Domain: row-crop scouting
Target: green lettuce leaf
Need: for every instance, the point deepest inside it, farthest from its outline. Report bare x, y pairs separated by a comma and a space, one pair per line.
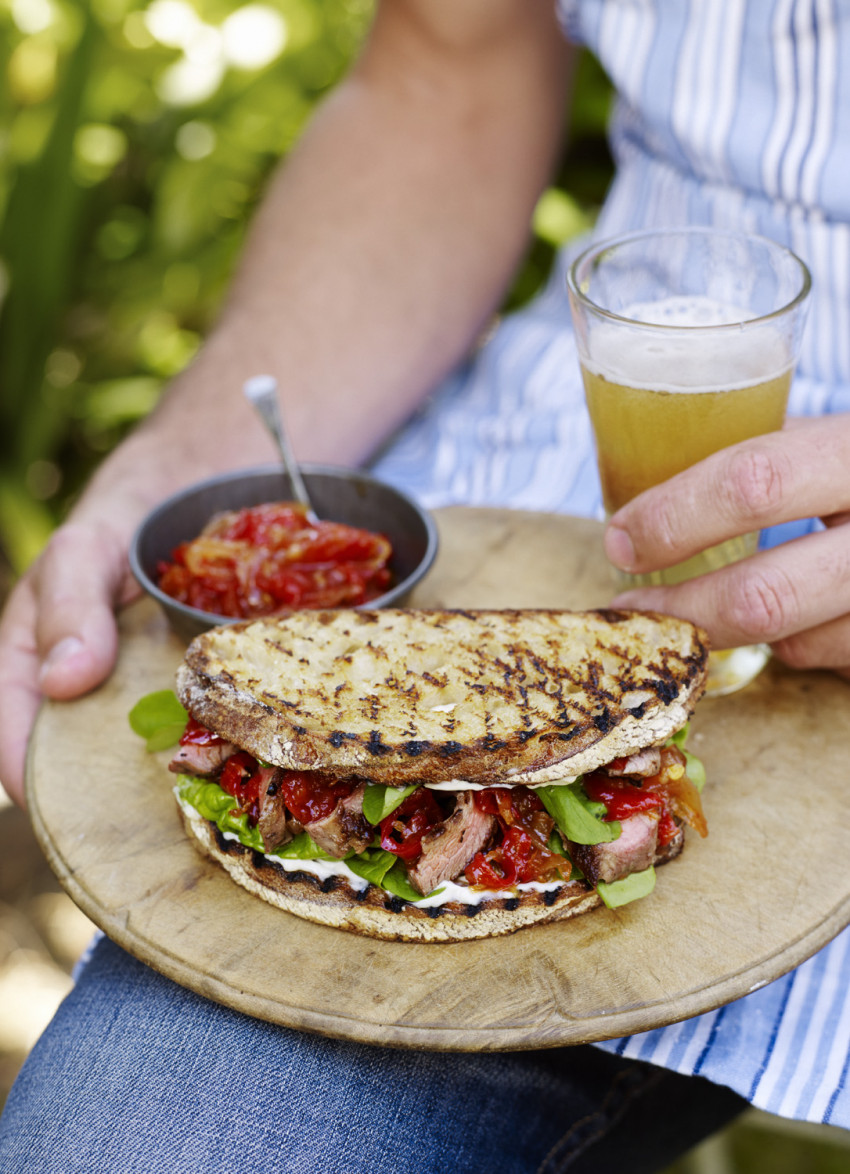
396, 882
577, 818
385, 870
694, 770
680, 737
214, 804
379, 802
373, 864
217, 806
159, 718
630, 888
556, 844
301, 847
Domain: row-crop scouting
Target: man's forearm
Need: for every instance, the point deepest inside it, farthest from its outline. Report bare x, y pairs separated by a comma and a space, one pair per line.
381, 246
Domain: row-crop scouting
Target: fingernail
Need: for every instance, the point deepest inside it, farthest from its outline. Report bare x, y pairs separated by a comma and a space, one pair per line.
618, 547
67, 647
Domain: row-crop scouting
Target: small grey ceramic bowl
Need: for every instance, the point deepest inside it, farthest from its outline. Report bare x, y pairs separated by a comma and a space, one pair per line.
340, 495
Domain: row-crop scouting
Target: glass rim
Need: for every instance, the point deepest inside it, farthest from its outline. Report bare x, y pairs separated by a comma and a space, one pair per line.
602, 246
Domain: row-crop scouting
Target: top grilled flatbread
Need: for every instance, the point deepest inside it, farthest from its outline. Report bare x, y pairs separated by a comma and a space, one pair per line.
397, 696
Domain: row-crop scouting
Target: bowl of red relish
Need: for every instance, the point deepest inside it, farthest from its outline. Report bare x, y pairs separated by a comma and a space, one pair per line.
239, 547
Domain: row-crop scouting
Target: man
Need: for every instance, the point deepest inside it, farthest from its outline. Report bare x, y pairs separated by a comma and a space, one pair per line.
379, 255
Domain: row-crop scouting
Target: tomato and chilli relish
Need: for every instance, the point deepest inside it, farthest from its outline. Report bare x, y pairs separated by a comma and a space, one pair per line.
270, 558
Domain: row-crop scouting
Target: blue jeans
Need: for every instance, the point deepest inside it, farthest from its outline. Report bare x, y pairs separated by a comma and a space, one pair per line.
136, 1075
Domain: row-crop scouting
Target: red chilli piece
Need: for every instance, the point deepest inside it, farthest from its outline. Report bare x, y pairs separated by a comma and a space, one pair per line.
403, 829
621, 799
523, 854
197, 735
310, 796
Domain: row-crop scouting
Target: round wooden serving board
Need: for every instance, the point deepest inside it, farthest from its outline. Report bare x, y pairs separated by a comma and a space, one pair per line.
732, 913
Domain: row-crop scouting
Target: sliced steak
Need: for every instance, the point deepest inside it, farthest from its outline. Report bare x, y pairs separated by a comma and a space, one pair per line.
273, 823
645, 764
201, 760
449, 847
633, 851
346, 829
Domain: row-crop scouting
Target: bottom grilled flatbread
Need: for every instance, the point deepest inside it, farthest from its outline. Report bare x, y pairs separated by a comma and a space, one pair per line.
441, 776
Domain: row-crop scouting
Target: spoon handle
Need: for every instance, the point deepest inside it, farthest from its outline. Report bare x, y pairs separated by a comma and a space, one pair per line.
261, 391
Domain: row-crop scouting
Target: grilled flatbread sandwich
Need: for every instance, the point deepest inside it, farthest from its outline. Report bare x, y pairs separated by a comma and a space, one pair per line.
441, 775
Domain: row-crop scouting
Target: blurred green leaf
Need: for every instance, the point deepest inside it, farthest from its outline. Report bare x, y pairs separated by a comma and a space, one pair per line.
558, 217
38, 241
119, 401
159, 718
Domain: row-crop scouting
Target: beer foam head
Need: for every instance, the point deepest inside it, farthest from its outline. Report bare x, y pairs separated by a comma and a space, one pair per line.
690, 356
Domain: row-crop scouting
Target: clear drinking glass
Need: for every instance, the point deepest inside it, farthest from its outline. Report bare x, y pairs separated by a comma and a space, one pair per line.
687, 340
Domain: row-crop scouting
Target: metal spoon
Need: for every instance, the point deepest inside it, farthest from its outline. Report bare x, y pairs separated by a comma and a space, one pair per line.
261, 392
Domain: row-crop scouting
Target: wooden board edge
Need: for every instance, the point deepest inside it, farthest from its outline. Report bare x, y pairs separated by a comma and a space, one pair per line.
491, 1038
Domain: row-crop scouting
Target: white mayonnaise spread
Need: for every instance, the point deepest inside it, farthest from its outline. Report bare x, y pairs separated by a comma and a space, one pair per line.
319, 868
452, 891
462, 785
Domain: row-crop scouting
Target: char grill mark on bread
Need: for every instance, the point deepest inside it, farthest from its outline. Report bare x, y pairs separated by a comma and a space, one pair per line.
397, 696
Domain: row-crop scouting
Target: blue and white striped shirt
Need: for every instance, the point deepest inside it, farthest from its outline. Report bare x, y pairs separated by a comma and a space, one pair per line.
734, 113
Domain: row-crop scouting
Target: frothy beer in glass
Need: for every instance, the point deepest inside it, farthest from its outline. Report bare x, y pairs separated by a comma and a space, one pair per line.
687, 341
661, 403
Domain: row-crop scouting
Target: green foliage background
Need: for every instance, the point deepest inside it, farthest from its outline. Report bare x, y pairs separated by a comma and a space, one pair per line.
123, 204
